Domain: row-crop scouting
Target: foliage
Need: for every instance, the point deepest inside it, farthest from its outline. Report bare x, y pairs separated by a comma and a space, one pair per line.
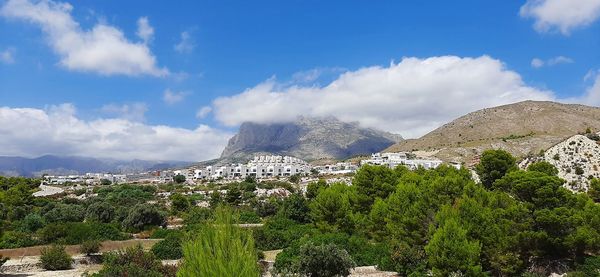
314, 188
326, 260
279, 232
144, 215
493, 165
544, 167
179, 202
295, 207
249, 217
179, 179
55, 258
450, 251
197, 215
90, 247
133, 262
101, 212
220, 249
331, 209
168, 248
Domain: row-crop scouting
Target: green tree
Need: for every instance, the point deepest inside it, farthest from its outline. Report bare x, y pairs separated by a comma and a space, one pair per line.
544, 167
179, 203
101, 212
133, 262
326, 260
220, 249
493, 165
314, 188
143, 215
450, 251
373, 182
594, 190
330, 210
295, 207
179, 179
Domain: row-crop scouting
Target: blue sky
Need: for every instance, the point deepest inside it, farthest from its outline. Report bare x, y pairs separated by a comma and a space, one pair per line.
286, 53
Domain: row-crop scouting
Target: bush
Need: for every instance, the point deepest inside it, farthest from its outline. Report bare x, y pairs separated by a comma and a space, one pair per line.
134, 262
55, 258
101, 212
249, 217
324, 261
168, 248
144, 215
220, 249
90, 247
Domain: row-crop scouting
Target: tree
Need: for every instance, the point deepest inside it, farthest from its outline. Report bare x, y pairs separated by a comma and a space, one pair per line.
179, 179
327, 260
101, 212
55, 258
493, 165
220, 249
142, 215
295, 178
105, 182
330, 210
179, 203
295, 207
544, 167
314, 188
233, 196
373, 182
168, 248
594, 190
450, 251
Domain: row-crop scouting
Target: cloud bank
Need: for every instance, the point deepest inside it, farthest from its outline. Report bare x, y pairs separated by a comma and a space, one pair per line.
103, 49
58, 130
411, 97
561, 15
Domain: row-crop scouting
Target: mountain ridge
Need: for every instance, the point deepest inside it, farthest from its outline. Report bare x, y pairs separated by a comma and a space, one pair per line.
307, 138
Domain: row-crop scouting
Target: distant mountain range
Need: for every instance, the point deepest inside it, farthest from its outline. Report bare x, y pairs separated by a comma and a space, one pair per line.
307, 138
54, 165
521, 128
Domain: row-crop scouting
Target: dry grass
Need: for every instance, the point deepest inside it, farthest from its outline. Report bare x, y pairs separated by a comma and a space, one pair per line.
74, 249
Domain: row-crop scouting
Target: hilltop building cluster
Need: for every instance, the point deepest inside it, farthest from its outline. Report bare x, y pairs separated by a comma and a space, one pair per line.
402, 158
260, 167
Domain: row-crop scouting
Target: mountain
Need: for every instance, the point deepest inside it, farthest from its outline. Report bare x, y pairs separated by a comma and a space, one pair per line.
307, 138
54, 165
521, 128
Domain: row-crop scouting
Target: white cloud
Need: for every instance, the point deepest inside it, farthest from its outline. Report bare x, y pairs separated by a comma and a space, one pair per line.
103, 49
186, 44
203, 112
592, 94
538, 63
145, 31
561, 15
57, 130
411, 97
173, 97
132, 112
8, 56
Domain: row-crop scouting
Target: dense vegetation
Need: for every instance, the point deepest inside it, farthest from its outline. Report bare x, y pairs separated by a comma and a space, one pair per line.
437, 222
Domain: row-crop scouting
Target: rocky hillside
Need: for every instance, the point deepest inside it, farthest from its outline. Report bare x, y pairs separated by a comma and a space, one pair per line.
308, 139
576, 159
521, 128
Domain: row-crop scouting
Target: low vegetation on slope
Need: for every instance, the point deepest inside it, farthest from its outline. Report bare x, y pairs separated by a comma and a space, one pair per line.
520, 128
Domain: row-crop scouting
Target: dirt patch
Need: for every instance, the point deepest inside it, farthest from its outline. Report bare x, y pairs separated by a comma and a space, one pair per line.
74, 249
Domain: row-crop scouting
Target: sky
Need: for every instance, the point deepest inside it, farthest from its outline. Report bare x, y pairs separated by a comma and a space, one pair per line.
162, 81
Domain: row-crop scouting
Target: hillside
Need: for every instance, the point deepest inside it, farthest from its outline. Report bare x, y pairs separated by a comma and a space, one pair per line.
50, 164
521, 128
308, 139
576, 159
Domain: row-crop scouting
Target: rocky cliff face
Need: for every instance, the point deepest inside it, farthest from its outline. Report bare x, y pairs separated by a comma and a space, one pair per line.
308, 139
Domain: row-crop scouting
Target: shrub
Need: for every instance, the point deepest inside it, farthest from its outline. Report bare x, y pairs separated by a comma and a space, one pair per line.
168, 248
101, 212
32, 222
220, 249
55, 258
16, 239
579, 170
249, 217
326, 260
89, 247
143, 215
134, 262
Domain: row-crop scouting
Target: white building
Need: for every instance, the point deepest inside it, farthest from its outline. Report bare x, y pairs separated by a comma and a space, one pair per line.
260, 167
395, 159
